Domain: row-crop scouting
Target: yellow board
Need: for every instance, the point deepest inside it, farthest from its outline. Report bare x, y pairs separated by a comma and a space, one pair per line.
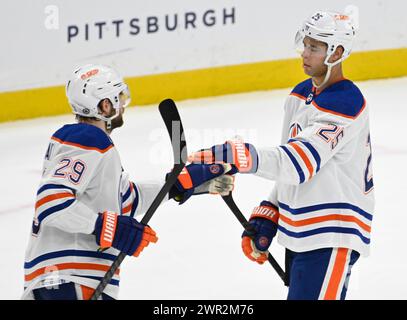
151, 89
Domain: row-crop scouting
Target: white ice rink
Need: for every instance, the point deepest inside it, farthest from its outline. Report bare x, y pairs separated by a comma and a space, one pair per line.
198, 255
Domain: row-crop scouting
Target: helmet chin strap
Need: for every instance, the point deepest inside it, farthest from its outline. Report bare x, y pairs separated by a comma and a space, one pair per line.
328, 72
108, 121
109, 124
327, 76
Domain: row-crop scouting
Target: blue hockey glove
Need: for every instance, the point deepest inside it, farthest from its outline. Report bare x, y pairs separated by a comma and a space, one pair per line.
264, 220
200, 179
123, 233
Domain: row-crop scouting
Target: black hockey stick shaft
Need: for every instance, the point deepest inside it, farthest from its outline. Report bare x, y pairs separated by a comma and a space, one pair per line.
172, 120
250, 229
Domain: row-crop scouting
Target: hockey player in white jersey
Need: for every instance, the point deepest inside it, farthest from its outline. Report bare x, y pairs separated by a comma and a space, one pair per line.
86, 204
322, 202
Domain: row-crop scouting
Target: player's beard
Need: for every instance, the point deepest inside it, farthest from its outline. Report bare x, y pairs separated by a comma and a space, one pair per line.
116, 122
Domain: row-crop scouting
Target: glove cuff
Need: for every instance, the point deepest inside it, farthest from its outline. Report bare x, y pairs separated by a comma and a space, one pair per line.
185, 179
266, 211
105, 229
244, 156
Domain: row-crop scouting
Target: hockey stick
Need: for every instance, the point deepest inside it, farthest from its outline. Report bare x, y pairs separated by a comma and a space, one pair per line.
250, 229
172, 120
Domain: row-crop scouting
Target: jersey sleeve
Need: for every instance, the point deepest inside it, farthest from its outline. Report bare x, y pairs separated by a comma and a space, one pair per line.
130, 196
57, 206
147, 192
138, 196
301, 158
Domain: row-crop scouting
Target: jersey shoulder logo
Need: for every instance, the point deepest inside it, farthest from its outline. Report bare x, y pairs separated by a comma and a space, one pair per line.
295, 129
309, 98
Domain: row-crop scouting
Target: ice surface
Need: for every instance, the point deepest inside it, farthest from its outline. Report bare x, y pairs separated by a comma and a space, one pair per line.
198, 255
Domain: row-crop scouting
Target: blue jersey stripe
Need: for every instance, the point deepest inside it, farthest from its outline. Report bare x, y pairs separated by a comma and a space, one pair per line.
135, 201
112, 282
54, 209
69, 253
337, 205
54, 186
126, 195
268, 203
295, 163
314, 152
324, 230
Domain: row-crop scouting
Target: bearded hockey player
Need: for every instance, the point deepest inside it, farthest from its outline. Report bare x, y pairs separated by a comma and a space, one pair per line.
86, 204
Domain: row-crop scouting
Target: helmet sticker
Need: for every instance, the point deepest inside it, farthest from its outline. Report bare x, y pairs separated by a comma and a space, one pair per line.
89, 74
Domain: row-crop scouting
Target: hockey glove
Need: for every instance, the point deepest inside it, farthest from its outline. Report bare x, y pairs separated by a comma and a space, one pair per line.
202, 178
264, 220
243, 156
123, 233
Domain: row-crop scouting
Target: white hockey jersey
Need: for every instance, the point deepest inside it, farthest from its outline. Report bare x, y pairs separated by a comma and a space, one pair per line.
323, 174
82, 176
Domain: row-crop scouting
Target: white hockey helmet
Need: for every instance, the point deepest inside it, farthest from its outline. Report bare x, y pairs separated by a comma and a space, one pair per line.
90, 84
333, 28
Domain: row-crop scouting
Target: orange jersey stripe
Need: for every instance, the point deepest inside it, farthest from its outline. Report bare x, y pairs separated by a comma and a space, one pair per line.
64, 266
82, 146
295, 132
337, 273
127, 209
298, 96
329, 217
53, 197
304, 158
